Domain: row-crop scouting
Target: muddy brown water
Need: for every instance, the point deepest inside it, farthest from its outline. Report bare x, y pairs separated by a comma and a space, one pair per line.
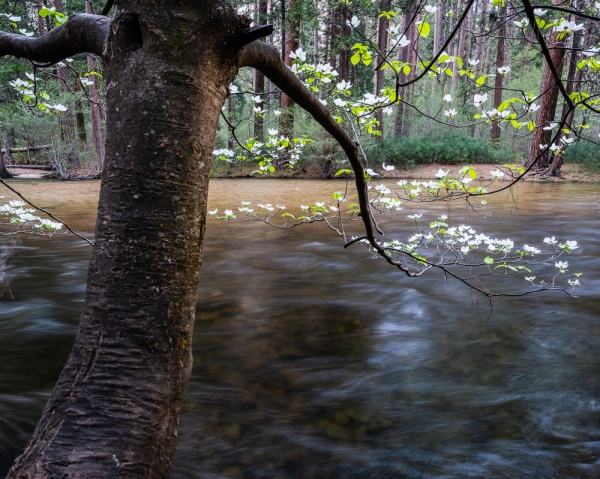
311, 361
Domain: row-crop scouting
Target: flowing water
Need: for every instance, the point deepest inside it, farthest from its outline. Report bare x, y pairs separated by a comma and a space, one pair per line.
311, 361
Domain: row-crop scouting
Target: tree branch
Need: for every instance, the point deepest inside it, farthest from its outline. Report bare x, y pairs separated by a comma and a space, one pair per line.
266, 59
82, 33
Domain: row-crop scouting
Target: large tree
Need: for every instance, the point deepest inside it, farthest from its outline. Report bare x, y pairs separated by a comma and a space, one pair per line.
167, 68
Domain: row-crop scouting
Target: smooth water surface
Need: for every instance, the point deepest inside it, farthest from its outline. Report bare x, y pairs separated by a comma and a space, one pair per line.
312, 361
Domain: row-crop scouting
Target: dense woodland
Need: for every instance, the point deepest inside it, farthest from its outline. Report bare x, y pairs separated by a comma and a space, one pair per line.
484, 49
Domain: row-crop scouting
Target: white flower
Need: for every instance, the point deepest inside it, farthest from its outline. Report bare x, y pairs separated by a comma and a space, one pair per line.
533, 108
567, 141
550, 240
388, 167
387, 110
355, 22
478, 100
415, 216
554, 147
25, 32
370, 172
430, 9
473, 62
574, 282
414, 192
402, 183
383, 189
59, 107
320, 204
339, 102
450, 113
529, 278
464, 249
273, 132
343, 85
521, 23
551, 126
233, 89
47, 224
213, 212
402, 41
276, 112
504, 70
466, 180
562, 265
531, 249
299, 54
441, 173
539, 12
228, 213
447, 98
572, 245
497, 173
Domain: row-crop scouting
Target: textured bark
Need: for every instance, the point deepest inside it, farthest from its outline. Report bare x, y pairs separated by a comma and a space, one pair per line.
114, 410
481, 37
81, 33
499, 80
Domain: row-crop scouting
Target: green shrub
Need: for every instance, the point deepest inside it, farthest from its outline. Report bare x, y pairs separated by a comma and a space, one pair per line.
584, 153
446, 149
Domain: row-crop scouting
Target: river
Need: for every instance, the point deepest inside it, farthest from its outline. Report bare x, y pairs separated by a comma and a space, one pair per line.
311, 361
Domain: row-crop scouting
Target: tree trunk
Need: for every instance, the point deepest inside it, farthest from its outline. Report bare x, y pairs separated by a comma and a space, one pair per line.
286, 119
573, 83
378, 77
550, 91
481, 37
259, 80
499, 80
94, 105
7, 148
79, 116
114, 411
3, 171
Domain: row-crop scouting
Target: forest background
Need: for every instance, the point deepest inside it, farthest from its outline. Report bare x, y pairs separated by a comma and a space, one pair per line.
487, 99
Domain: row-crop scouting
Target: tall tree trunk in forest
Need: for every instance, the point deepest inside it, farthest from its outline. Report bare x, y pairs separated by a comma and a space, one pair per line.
79, 117
413, 50
67, 128
344, 58
334, 36
94, 105
404, 57
499, 79
259, 79
3, 171
286, 119
481, 37
573, 83
41, 21
549, 91
8, 156
382, 38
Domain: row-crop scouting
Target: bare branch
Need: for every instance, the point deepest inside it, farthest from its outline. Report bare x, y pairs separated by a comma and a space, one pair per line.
82, 33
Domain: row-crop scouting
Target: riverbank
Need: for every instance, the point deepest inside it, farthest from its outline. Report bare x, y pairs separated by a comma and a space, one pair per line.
570, 173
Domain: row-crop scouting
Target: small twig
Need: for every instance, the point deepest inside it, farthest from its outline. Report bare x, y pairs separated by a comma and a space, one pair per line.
46, 212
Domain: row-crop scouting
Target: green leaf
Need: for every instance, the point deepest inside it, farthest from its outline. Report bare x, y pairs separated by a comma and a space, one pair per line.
481, 80
44, 12
531, 125
488, 260
341, 172
406, 69
424, 29
355, 58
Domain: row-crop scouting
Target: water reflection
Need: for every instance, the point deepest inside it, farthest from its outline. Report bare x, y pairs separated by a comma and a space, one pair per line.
314, 362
